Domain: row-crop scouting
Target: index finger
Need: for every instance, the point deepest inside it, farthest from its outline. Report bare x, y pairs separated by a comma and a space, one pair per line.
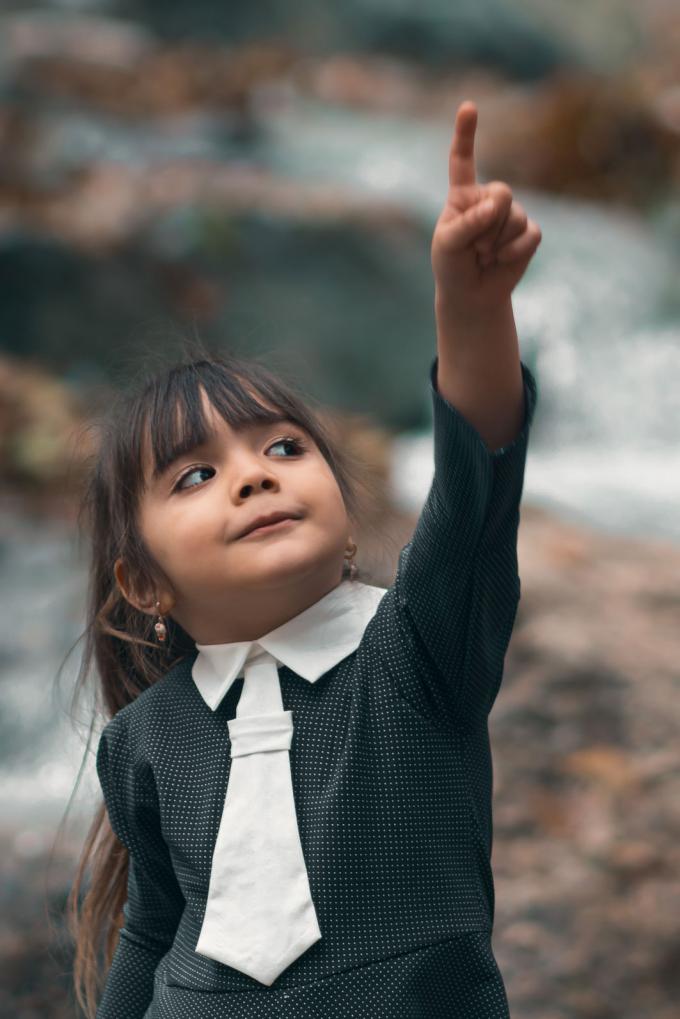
462, 155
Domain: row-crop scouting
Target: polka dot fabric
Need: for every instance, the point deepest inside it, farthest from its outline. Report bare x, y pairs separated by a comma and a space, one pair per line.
392, 776
457, 977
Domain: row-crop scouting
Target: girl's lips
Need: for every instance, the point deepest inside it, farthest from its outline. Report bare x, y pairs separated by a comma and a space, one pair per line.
266, 528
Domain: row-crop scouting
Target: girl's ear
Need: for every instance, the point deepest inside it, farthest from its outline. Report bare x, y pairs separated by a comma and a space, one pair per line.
142, 604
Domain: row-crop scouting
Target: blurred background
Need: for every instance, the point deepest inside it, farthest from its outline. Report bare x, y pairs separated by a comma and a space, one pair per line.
268, 176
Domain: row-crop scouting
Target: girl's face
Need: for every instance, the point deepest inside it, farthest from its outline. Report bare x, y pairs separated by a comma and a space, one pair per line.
226, 587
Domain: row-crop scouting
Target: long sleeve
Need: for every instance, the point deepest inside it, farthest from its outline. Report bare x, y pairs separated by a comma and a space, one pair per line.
155, 901
457, 585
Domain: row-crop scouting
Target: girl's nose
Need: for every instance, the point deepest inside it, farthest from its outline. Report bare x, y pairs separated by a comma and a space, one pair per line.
256, 477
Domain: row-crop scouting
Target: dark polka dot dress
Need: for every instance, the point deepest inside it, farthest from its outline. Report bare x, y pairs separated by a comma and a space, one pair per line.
392, 777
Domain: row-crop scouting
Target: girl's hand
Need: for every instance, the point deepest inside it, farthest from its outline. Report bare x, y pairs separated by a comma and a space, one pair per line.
479, 253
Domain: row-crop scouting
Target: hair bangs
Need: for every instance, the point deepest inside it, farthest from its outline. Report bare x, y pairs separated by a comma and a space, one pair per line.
174, 420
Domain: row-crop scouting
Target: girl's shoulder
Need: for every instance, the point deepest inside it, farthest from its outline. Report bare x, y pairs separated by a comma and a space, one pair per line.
128, 740
153, 700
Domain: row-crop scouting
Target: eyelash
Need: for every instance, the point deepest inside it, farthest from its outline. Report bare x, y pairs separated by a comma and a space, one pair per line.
299, 443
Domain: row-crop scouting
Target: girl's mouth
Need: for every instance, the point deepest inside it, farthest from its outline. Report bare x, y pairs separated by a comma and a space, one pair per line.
267, 528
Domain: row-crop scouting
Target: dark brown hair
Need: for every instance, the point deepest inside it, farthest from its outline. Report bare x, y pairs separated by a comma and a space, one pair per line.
165, 410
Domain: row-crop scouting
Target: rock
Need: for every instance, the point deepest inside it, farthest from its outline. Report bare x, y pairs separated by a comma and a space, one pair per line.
42, 429
587, 776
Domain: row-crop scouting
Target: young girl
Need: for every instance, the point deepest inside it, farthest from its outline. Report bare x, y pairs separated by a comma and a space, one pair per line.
296, 770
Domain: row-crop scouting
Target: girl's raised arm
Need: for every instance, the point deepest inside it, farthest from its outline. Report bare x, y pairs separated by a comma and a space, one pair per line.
482, 244
457, 587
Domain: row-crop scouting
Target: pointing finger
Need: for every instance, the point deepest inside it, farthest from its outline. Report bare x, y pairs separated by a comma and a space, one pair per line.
462, 153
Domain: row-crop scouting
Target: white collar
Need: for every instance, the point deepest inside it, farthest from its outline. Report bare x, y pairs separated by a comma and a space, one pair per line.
310, 643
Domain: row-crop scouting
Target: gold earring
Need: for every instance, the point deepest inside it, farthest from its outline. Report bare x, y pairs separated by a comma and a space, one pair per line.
349, 557
159, 626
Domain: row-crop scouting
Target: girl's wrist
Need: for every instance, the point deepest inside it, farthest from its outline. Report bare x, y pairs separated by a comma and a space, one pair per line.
457, 317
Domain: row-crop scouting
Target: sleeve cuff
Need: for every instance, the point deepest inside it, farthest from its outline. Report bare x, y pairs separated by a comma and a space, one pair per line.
442, 408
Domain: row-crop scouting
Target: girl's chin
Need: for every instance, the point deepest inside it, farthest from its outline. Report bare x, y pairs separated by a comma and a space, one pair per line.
267, 554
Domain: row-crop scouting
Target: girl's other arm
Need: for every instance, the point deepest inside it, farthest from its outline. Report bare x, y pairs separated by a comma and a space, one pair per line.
155, 902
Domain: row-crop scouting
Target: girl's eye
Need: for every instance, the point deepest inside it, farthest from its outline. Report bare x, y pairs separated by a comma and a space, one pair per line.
192, 470
287, 440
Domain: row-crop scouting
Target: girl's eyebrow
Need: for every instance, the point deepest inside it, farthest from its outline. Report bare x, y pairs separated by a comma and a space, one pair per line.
180, 449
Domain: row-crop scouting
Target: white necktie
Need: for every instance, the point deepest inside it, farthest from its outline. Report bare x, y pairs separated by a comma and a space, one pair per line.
259, 915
